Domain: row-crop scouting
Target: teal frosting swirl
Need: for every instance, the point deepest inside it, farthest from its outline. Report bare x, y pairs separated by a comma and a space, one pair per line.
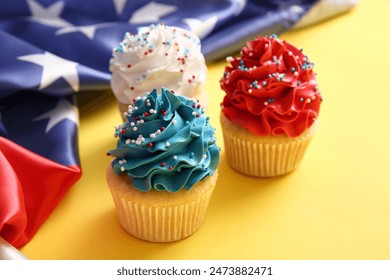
167, 143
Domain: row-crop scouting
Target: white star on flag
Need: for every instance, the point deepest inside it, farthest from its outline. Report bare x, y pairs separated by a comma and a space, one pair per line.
151, 12
64, 110
87, 30
201, 28
49, 16
119, 6
54, 67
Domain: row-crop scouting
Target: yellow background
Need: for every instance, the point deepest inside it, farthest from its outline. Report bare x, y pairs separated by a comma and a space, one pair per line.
336, 205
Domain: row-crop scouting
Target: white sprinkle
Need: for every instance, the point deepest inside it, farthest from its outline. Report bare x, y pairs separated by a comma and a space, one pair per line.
308, 100
135, 128
194, 113
138, 142
151, 111
152, 135
296, 73
290, 53
265, 103
167, 144
132, 141
127, 141
142, 121
204, 156
174, 157
120, 162
122, 169
250, 90
132, 124
174, 122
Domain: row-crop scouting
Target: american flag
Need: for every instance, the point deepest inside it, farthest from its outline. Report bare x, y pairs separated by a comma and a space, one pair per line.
51, 50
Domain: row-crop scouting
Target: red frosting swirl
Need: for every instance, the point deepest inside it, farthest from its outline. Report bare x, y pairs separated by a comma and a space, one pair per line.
271, 89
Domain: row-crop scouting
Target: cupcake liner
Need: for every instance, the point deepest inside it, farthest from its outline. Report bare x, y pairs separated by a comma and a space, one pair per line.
202, 97
264, 156
160, 216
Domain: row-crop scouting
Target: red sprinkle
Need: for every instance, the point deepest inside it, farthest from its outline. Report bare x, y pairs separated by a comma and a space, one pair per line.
197, 115
170, 167
128, 65
123, 131
162, 164
150, 145
132, 88
162, 128
108, 154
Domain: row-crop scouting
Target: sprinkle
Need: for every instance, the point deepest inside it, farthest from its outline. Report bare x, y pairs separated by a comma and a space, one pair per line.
170, 167
249, 90
174, 122
265, 103
150, 145
162, 164
152, 135
167, 144
122, 169
135, 128
132, 124
127, 141
175, 157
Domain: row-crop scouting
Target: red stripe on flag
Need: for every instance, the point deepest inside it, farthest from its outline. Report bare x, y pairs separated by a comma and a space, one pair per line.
31, 186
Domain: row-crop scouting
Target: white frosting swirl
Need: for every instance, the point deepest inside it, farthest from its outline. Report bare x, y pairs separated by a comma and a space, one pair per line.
157, 56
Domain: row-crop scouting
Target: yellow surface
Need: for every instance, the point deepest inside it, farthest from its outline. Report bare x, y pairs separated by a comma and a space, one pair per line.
336, 205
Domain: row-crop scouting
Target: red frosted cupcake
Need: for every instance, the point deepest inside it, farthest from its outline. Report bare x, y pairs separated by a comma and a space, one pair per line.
270, 110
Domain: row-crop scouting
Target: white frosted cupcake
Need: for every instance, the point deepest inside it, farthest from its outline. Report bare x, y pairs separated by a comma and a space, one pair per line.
158, 56
165, 167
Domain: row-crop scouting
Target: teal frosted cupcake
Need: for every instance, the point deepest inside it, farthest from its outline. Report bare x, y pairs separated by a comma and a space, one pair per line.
165, 167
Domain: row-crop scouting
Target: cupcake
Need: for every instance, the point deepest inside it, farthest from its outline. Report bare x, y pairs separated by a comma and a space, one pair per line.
157, 56
269, 113
165, 167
